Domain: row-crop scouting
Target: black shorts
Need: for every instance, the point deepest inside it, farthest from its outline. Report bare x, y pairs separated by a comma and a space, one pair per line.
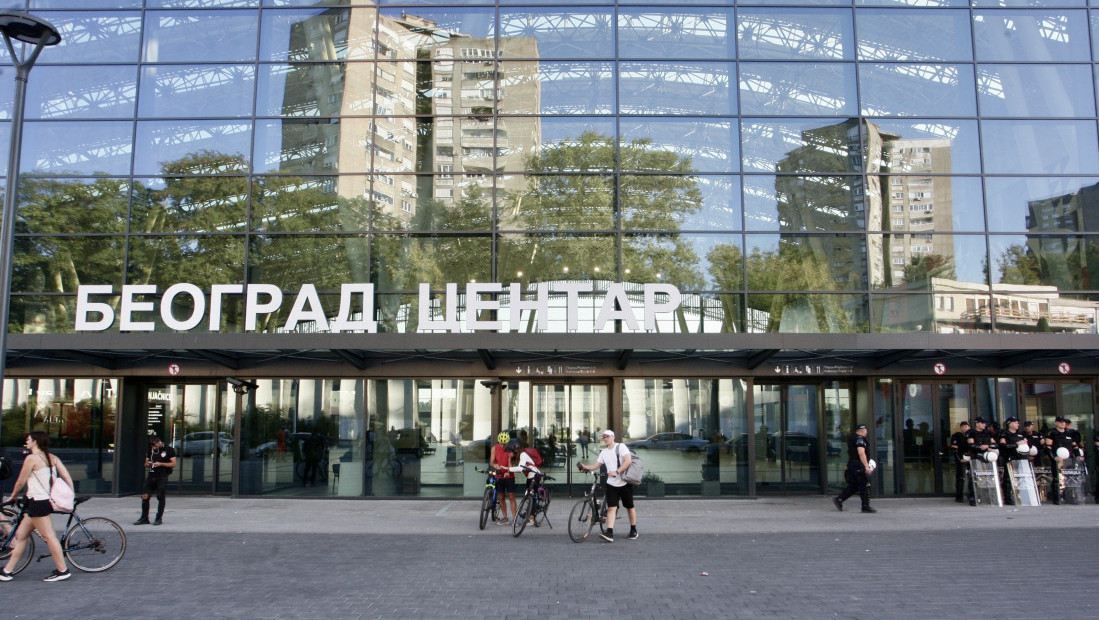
39, 508
505, 485
624, 493
155, 485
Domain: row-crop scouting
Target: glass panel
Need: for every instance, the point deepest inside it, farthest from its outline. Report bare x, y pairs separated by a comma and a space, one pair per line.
675, 33
658, 202
315, 89
921, 146
815, 314
666, 426
192, 4
299, 146
556, 88
791, 262
81, 4
53, 205
1036, 90
839, 417
538, 258
1040, 147
916, 313
196, 434
787, 438
667, 258
302, 204
901, 35
918, 405
81, 92
548, 32
187, 146
805, 203
62, 264
917, 90
700, 145
676, 88
322, 35
886, 482
794, 34
202, 261
563, 202
1063, 262
801, 145
926, 203
1018, 310
1040, 204
95, 37
798, 89
558, 148
79, 415
86, 148
200, 36
1079, 399
924, 260
1037, 35
190, 204
197, 91
292, 260
402, 262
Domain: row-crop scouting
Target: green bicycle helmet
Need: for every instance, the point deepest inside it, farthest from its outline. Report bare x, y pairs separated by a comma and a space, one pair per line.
503, 437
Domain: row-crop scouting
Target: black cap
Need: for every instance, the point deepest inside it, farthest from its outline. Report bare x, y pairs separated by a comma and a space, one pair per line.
861, 427
1011, 419
1058, 419
963, 423
1028, 423
980, 420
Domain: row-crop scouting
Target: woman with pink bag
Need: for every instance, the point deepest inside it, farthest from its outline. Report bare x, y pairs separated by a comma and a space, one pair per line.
38, 474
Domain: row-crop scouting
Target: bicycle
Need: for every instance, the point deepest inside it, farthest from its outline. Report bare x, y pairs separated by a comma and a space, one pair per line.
534, 506
590, 511
91, 545
490, 504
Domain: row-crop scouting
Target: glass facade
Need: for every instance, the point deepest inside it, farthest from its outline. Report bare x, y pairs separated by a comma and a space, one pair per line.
870, 167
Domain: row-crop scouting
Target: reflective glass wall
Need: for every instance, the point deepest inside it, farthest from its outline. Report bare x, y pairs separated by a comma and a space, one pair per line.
916, 166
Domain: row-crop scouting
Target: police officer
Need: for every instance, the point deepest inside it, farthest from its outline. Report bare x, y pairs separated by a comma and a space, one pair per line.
1013, 446
958, 450
1033, 437
161, 461
980, 441
1055, 439
858, 470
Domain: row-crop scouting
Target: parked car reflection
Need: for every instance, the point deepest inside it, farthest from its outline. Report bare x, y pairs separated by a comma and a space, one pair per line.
669, 441
203, 442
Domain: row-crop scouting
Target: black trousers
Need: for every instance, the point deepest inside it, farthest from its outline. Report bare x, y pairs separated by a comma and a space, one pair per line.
857, 482
154, 485
961, 469
1054, 481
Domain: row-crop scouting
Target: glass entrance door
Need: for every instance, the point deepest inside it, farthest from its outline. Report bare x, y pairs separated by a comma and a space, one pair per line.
787, 432
561, 420
1044, 401
197, 420
930, 412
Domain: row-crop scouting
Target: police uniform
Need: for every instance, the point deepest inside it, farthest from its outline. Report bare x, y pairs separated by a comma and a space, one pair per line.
156, 481
1058, 439
858, 480
958, 449
1009, 441
976, 439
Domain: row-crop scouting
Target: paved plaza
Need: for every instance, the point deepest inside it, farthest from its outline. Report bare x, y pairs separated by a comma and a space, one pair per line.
735, 558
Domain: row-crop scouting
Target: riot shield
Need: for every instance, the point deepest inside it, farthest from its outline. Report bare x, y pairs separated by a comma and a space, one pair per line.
986, 483
1023, 482
1075, 476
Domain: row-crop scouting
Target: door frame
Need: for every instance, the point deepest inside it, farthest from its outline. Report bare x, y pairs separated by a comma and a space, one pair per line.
939, 426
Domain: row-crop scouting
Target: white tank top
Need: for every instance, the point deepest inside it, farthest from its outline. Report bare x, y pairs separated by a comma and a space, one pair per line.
38, 485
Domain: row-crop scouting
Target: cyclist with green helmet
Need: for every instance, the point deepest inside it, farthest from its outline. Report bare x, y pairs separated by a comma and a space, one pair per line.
500, 460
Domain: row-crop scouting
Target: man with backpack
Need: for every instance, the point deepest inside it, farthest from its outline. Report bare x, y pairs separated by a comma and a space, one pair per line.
616, 458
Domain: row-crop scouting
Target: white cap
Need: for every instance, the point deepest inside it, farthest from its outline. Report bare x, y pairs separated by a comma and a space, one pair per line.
608, 433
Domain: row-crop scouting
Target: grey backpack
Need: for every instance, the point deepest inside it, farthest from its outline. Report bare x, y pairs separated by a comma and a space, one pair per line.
635, 470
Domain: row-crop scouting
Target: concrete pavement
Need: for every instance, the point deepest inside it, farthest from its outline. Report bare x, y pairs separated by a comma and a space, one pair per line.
729, 558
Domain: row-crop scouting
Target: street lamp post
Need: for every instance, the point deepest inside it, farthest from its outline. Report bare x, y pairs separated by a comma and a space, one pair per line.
38, 33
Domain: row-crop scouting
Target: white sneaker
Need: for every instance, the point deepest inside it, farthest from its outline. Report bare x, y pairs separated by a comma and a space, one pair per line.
57, 575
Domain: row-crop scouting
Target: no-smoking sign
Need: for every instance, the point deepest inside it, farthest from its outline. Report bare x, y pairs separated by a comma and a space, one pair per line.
173, 369
1064, 368
939, 368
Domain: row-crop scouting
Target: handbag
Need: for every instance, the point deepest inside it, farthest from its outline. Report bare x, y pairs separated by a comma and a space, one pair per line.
62, 497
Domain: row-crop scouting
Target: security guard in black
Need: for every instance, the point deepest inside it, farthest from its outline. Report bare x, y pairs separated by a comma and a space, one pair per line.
858, 470
161, 462
958, 449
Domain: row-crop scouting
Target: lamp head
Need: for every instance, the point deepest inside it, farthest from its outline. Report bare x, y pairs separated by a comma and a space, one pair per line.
28, 28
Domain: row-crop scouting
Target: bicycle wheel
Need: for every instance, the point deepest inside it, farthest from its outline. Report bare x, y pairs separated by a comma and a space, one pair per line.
9, 517
543, 510
580, 521
486, 507
522, 516
95, 544
602, 518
